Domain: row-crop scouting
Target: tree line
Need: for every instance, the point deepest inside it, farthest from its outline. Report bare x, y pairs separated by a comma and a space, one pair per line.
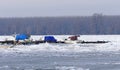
95, 24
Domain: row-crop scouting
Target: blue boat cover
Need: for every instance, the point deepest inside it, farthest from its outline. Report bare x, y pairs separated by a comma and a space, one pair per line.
50, 39
22, 37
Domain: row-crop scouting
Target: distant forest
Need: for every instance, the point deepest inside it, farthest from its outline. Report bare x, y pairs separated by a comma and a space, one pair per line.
95, 24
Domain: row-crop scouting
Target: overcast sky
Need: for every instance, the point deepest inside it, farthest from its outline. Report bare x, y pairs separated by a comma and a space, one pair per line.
29, 8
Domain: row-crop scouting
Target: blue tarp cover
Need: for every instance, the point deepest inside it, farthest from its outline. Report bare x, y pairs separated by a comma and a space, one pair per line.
50, 39
21, 37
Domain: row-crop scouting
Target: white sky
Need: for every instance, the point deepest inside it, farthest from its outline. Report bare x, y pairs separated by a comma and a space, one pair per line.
27, 8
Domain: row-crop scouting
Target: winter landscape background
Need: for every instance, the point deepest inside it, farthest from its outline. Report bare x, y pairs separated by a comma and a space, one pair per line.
51, 56
95, 20
95, 24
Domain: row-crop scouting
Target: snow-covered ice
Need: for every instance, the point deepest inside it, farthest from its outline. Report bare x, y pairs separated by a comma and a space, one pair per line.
50, 56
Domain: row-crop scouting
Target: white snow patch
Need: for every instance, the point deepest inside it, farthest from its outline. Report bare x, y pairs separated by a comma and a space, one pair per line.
113, 46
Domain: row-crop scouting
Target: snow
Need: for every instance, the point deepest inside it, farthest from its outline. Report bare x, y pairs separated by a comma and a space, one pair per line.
69, 68
56, 56
4, 38
112, 46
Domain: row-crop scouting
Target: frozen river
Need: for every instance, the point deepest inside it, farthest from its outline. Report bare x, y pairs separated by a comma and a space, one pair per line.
60, 61
63, 56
